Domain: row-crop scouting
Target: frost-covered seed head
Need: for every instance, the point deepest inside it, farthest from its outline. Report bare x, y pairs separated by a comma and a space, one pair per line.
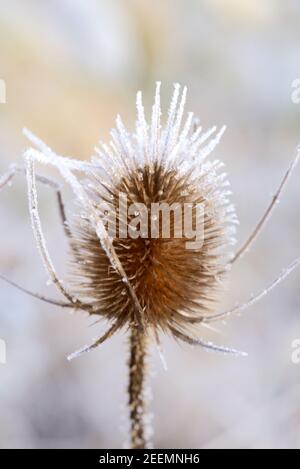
174, 286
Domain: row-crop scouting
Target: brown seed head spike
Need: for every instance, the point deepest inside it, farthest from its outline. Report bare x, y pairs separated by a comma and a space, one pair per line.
176, 286
149, 271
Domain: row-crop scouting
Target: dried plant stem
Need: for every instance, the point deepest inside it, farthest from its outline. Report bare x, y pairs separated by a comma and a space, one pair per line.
6, 178
36, 295
137, 372
264, 219
239, 308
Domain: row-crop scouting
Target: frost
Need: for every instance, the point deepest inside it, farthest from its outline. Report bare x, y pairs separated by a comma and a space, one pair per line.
212, 144
78, 353
155, 122
168, 130
141, 130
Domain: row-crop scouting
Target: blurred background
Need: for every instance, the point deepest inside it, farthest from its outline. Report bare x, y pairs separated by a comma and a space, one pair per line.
69, 68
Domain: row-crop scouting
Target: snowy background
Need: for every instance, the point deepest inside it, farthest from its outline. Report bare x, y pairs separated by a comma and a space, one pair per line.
69, 68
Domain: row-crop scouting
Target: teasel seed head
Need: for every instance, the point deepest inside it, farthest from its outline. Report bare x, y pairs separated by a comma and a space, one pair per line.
174, 285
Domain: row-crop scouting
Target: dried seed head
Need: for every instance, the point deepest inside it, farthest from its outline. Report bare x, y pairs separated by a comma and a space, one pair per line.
139, 186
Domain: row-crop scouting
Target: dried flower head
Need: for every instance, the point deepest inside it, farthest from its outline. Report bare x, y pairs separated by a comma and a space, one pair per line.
150, 244
130, 276
175, 283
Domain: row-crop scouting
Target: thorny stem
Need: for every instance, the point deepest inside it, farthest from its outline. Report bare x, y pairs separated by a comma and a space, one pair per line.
137, 372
